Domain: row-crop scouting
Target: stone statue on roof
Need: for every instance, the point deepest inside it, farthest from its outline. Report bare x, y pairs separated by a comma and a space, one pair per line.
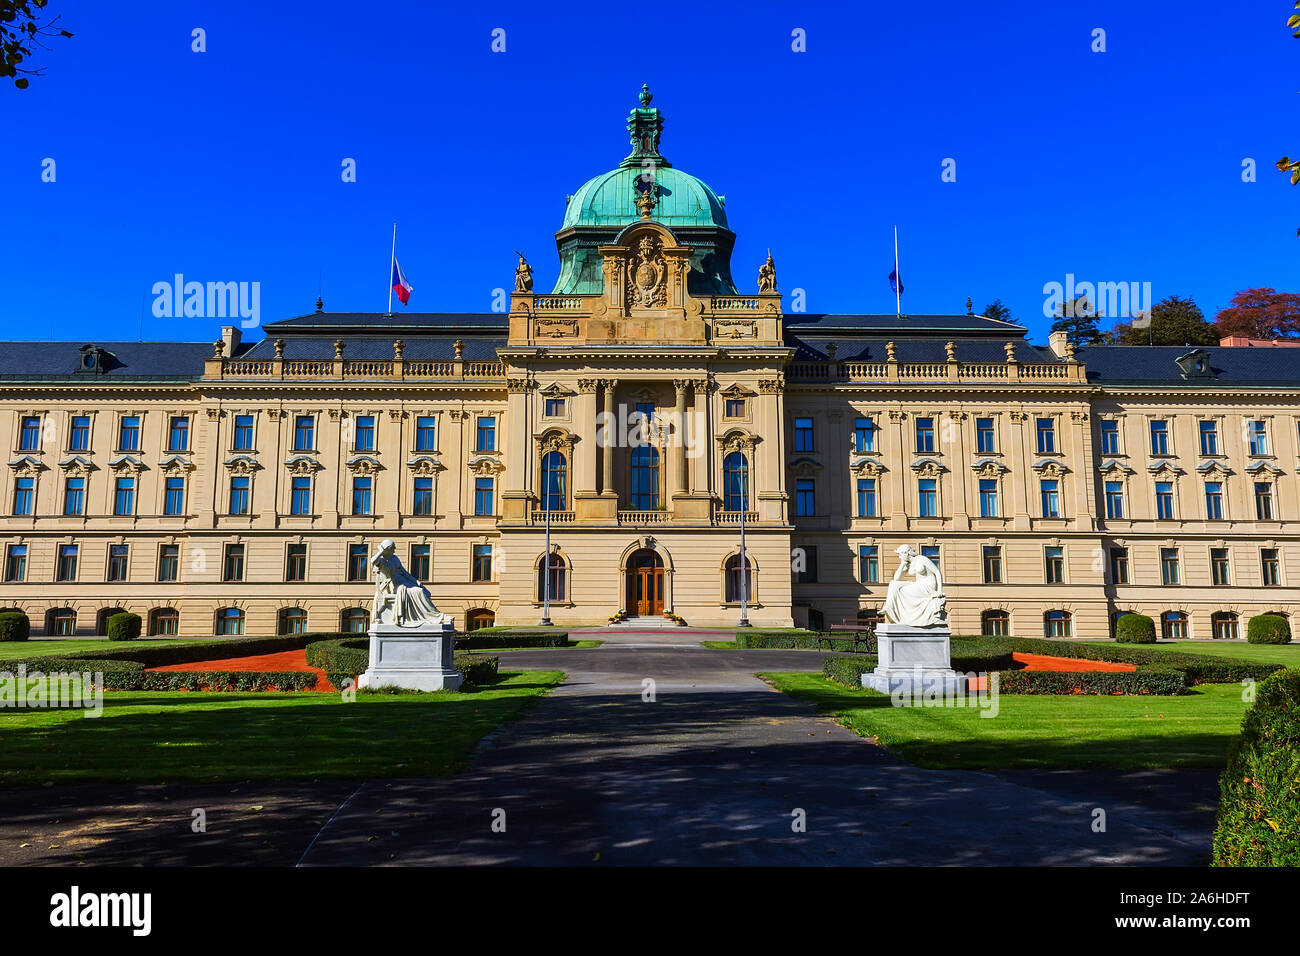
523, 274
767, 275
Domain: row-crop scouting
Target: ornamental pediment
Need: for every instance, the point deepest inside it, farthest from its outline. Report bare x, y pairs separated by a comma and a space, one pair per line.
867, 468
27, 465
1210, 468
242, 465
126, 463
928, 467
737, 439
1263, 467
303, 465
77, 465
805, 467
364, 465
173, 464
989, 468
1114, 466
1049, 467
1165, 467
425, 466
485, 465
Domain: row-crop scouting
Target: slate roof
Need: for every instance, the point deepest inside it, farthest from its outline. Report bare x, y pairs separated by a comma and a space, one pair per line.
961, 324
871, 348
157, 361
1155, 365
398, 321
297, 346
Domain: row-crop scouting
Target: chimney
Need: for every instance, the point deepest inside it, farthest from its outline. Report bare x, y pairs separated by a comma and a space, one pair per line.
229, 340
1056, 342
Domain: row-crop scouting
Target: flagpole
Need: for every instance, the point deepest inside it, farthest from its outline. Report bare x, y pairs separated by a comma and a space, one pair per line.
898, 279
393, 258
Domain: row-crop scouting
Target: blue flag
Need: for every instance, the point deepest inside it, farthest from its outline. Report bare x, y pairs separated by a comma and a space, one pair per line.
895, 283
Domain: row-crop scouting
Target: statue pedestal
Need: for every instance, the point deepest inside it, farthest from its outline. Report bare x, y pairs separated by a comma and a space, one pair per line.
914, 661
414, 658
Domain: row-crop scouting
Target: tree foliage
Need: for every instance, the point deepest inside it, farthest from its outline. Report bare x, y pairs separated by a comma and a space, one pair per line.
1261, 314
1286, 163
996, 310
1174, 320
1078, 320
22, 30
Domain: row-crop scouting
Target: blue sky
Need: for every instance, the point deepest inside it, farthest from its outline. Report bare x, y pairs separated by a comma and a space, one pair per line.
225, 165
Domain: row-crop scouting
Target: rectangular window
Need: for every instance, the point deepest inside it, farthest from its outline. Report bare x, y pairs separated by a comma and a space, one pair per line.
487, 434
1213, 500
117, 562
931, 551
1054, 565
300, 495
365, 433
1219, 570
232, 565
361, 497
482, 568
79, 435
1257, 437
807, 573
1159, 436
66, 569
1049, 493
1209, 437
1045, 430
1263, 501
169, 562
1109, 436
1164, 499
1168, 566
239, 495
864, 434
425, 433
803, 434
484, 498
243, 433
357, 559
1270, 567
174, 496
866, 497
1114, 499
24, 495
1119, 565
988, 497
124, 496
805, 497
984, 443
423, 503
74, 496
128, 433
29, 435
420, 562
304, 433
295, 563
927, 493
992, 564
178, 435
733, 408
554, 407
869, 563
16, 562
925, 434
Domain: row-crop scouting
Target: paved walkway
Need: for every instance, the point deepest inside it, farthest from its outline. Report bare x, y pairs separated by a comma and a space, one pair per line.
712, 771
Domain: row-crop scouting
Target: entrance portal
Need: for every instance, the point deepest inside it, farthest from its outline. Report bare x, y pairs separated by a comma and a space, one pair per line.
645, 584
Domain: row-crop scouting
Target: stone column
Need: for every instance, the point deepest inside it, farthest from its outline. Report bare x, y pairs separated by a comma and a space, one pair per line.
679, 447
584, 418
607, 453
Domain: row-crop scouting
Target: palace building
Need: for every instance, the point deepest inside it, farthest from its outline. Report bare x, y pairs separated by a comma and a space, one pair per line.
644, 409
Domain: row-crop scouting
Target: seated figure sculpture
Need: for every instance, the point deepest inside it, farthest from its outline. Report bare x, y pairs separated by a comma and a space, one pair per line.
919, 602
399, 598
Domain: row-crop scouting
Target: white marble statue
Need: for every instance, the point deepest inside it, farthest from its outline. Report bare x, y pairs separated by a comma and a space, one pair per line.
399, 598
919, 602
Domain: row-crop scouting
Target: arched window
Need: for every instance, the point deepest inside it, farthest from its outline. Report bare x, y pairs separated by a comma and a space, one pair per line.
354, 620
101, 618
555, 481
230, 620
61, 622
552, 573
995, 623
645, 478
735, 482
479, 617
1223, 625
1056, 624
293, 620
733, 580
1173, 625
164, 622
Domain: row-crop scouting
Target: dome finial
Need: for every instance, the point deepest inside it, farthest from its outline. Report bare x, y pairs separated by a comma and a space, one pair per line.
646, 95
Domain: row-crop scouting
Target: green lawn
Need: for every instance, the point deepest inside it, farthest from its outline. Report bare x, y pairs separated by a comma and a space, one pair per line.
1288, 654
1193, 730
151, 737
9, 650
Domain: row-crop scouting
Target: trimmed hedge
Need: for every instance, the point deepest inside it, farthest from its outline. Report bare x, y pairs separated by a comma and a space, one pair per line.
14, 626
344, 659
118, 674
811, 640
1258, 822
131, 675
848, 670
1146, 680
1135, 629
123, 626
1268, 629
219, 648
545, 638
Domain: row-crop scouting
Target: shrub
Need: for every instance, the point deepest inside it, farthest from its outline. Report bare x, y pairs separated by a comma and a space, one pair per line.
550, 638
1259, 804
1268, 629
848, 670
118, 674
1147, 679
1135, 629
790, 640
14, 626
123, 626
219, 648
343, 660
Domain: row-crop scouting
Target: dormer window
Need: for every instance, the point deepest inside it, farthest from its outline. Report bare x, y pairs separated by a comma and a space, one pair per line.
93, 359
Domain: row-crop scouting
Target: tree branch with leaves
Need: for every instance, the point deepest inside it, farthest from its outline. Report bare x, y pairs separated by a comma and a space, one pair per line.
22, 30
1286, 164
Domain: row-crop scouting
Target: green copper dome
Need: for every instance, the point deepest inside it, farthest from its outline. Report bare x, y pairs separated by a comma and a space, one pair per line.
606, 204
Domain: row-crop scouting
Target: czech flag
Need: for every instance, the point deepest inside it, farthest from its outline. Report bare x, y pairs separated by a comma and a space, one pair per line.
400, 285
